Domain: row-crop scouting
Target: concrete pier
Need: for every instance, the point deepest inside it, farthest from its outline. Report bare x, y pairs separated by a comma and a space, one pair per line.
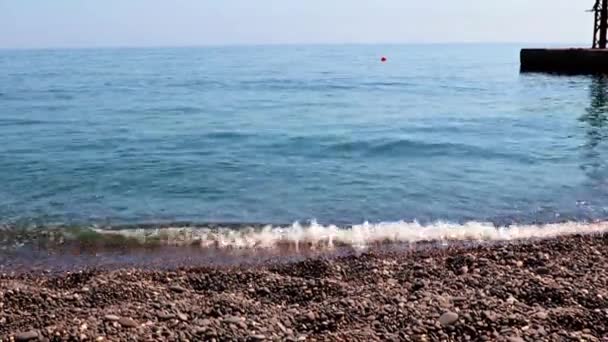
565, 61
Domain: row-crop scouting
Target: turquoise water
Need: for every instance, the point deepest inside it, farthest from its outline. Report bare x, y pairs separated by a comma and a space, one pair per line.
294, 133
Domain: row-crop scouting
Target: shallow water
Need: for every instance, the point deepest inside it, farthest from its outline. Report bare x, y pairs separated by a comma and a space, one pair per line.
295, 133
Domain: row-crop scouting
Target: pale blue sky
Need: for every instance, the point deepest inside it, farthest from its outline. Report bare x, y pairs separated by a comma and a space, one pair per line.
91, 23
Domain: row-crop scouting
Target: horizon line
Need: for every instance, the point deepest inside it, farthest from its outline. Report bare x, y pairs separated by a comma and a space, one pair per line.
231, 45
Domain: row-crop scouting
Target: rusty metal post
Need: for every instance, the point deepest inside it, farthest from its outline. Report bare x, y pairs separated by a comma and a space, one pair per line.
603, 27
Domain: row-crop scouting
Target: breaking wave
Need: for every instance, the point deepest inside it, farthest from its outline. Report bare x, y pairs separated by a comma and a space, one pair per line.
317, 236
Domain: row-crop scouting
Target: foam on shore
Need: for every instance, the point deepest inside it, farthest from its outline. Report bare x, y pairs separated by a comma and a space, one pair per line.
357, 236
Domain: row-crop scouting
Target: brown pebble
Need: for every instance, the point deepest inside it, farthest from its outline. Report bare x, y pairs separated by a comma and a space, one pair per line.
111, 318
490, 316
543, 270
516, 339
448, 318
177, 288
233, 319
26, 336
127, 322
164, 316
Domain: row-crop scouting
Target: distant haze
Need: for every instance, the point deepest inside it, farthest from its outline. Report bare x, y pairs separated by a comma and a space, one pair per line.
91, 23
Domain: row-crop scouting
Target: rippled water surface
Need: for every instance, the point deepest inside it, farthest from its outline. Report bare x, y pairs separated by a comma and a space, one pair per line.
281, 134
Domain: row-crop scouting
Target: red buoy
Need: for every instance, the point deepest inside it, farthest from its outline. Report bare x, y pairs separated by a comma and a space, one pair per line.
383, 59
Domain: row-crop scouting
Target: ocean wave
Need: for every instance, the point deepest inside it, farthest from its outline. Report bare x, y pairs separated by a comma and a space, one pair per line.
358, 236
328, 146
229, 135
309, 236
22, 122
411, 147
280, 84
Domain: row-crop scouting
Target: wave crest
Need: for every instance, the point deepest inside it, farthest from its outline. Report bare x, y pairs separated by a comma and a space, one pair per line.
358, 236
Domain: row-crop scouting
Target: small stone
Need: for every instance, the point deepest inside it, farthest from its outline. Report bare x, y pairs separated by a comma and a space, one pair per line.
177, 288
182, 317
281, 327
310, 316
443, 302
418, 284
519, 263
99, 338
84, 327
511, 300
199, 330
127, 322
258, 337
26, 336
111, 318
490, 316
164, 316
448, 318
541, 315
233, 320
515, 339
464, 270
421, 338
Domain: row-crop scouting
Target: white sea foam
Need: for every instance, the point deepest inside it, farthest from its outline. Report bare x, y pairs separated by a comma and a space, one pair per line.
358, 236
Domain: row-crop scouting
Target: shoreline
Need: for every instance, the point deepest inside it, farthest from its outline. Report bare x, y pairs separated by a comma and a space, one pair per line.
72, 248
551, 289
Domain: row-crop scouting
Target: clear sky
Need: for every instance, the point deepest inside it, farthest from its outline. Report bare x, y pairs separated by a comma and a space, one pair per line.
91, 23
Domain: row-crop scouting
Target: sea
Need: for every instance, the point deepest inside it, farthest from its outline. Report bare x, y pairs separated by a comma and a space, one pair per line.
323, 139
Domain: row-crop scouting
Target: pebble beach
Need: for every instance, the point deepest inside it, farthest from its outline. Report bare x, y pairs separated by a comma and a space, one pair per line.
533, 290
